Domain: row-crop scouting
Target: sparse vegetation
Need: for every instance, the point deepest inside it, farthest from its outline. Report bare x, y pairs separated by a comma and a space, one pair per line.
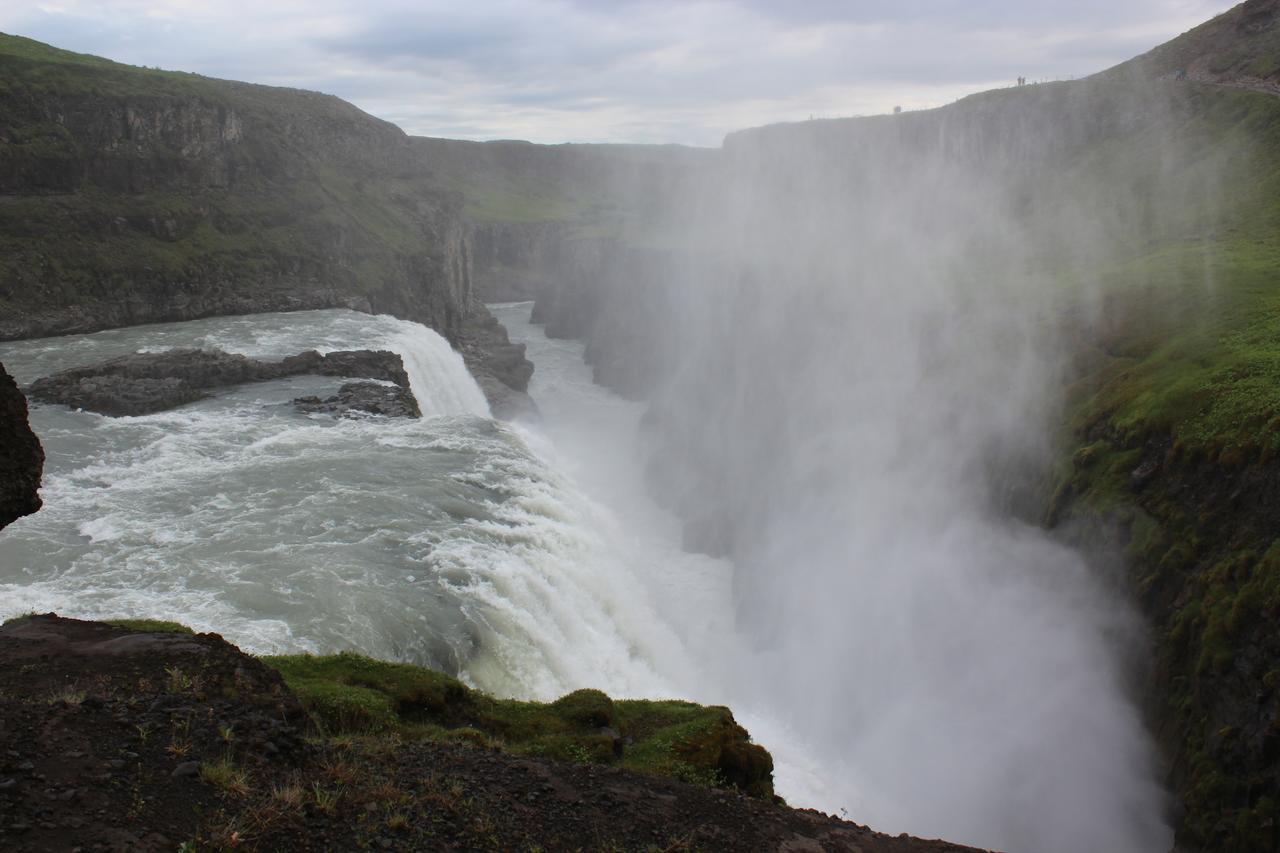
224, 775
177, 681
69, 695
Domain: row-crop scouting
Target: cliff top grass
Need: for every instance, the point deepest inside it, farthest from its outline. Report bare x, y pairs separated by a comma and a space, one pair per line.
156, 626
43, 69
1188, 323
348, 694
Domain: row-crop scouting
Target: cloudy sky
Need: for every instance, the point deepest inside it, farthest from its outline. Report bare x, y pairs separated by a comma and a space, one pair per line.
616, 70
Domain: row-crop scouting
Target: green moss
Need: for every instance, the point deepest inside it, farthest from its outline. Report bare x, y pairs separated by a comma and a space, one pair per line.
1183, 376
348, 693
159, 626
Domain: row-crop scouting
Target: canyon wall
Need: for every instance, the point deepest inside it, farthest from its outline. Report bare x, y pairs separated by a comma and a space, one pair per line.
133, 195
1141, 215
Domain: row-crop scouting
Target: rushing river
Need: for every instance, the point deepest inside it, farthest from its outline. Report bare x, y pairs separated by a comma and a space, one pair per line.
525, 557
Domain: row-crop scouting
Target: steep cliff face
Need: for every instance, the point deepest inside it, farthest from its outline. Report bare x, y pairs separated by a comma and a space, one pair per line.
535, 206
516, 261
21, 456
133, 196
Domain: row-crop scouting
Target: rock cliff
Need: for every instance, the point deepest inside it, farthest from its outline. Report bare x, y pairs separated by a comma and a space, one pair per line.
21, 456
135, 195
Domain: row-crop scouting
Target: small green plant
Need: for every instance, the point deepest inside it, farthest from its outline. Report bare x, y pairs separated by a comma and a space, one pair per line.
179, 737
227, 733
68, 695
291, 797
225, 776
176, 680
325, 800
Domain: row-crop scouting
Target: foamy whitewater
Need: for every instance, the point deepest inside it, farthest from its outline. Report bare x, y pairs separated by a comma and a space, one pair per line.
448, 541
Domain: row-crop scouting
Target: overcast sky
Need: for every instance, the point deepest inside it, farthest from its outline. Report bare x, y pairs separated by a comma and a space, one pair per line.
616, 70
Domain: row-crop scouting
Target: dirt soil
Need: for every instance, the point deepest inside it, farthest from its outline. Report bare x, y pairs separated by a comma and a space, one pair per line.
116, 740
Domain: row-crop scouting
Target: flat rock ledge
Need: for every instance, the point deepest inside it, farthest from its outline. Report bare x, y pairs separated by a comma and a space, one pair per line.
145, 383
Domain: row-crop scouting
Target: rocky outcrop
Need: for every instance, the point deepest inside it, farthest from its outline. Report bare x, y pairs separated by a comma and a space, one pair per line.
498, 366
363, 398
145, 383
21, 456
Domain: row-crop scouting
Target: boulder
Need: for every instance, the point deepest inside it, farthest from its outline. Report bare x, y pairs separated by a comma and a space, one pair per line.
21, 456
363, 398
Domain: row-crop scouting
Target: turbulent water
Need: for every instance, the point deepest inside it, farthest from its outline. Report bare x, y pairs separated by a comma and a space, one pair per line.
453, 541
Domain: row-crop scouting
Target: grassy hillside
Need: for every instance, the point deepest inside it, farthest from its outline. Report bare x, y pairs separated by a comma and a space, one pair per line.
1171, 440
134, 194
1240, 47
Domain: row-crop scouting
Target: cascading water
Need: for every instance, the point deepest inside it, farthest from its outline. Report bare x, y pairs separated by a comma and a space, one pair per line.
447, 541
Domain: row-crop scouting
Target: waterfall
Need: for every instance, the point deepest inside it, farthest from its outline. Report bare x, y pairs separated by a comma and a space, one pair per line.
437, 374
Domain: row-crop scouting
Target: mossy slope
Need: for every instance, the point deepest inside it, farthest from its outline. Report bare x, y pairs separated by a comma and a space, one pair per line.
350, 694
1170, 439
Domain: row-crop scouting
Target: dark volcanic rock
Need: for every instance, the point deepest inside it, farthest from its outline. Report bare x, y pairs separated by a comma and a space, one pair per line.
364, 364
369, 398
499, 367
21, 456
144, 383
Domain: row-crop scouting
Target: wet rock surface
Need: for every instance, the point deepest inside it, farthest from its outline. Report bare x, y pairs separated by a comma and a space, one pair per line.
363, 398
145, 383
21, 456
113, 739
499, 367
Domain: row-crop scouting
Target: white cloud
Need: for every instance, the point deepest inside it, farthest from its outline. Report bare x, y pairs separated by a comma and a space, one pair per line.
605, 70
